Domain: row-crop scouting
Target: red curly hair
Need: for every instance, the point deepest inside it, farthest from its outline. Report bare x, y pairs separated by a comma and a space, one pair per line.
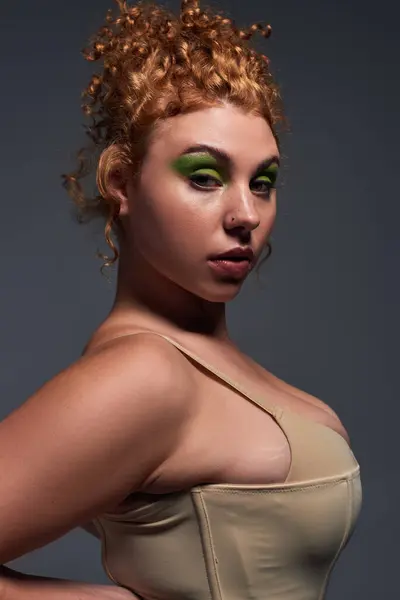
155, 66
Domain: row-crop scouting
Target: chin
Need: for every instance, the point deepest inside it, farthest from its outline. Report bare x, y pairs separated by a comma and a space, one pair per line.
206, 288
223, 292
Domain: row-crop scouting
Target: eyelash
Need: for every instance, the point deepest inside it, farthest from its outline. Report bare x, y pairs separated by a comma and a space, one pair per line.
203, 188
202, 176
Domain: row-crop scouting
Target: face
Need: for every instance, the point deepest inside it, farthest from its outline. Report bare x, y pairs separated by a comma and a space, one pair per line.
207, 185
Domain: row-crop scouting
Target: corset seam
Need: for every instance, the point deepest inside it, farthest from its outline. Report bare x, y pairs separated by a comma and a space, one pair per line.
207, 545
344, 538
103, 535
274, 490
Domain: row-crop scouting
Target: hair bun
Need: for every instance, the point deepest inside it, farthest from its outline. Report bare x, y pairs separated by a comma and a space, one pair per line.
156, 65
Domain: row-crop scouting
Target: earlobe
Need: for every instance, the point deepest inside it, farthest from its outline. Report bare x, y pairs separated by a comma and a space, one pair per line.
118, 188
111, 178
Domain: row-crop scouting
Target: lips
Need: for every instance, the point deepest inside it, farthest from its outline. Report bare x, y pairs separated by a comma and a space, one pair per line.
231, 268
235, 254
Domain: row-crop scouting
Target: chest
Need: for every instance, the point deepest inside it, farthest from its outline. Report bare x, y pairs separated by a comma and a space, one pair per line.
231, 439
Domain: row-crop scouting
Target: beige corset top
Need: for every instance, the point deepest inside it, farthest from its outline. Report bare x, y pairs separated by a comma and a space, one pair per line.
239, 541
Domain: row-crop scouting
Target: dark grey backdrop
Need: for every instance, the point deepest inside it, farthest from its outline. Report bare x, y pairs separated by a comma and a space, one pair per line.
326, 318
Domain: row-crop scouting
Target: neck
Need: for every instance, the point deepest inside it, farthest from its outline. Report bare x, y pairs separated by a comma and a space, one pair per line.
155, 302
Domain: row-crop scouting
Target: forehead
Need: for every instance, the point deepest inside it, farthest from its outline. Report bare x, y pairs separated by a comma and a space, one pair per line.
246, 138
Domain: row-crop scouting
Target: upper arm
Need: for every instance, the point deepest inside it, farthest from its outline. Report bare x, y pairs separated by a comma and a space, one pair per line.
88, 438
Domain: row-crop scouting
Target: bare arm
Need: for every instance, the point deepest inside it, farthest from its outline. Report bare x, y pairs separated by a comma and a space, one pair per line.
19, 586
89, 437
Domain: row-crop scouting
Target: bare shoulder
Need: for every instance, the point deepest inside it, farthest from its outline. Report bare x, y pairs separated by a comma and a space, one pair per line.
87, 438
147, 354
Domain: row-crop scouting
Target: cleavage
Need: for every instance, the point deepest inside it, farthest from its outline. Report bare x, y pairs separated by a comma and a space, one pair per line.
230, 440
251, 446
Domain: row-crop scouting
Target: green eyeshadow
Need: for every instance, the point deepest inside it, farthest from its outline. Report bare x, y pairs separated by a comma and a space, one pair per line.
203, 164
270, 174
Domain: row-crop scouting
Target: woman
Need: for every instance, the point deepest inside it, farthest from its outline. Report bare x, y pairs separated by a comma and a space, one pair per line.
197, 486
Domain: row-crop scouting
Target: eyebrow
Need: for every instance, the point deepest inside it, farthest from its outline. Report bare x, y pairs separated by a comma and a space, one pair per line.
224, 156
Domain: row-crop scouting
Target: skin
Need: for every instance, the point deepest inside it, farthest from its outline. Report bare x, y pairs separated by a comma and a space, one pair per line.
174, 217
180, 212
172, 225
201, 170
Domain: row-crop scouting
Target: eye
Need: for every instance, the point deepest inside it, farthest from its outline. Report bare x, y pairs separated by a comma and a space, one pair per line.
262, 185
206, 179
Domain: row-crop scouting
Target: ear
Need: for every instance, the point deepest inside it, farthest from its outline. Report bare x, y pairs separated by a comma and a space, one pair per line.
112, 178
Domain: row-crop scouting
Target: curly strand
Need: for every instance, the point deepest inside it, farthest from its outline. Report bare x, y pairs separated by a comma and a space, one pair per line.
154, 66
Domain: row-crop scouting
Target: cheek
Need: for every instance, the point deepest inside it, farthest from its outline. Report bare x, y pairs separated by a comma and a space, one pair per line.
268, 217
271, 217
167, 222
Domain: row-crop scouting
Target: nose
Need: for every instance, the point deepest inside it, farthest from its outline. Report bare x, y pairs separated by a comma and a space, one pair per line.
242, 212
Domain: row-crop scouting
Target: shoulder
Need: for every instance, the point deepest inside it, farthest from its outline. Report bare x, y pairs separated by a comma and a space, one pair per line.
145, 352
142, 359
87, 438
